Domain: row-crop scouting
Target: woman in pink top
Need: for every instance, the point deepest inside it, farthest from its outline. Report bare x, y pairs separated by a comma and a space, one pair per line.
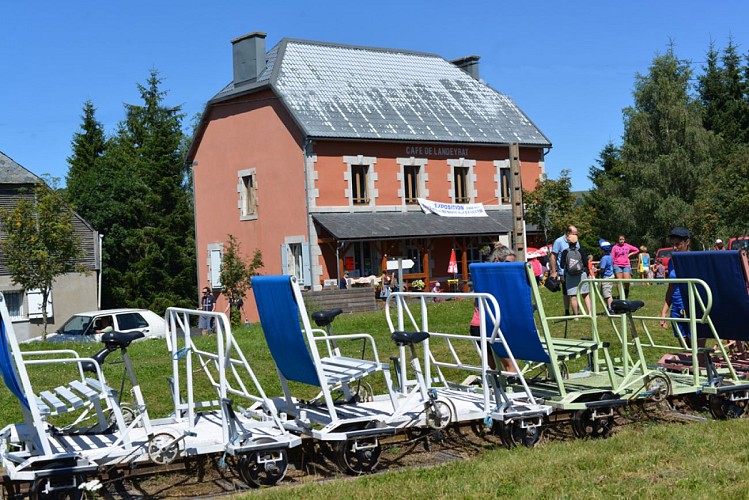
620, 254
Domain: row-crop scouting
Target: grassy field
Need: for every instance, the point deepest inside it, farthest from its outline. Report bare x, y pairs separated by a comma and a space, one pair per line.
643, 459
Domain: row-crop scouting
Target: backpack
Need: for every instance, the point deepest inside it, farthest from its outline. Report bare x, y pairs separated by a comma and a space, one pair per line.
574, 265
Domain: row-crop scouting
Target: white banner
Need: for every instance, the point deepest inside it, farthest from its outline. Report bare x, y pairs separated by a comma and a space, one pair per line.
452, 209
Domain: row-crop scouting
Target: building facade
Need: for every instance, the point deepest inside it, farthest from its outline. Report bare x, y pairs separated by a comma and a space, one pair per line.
71, 293
318, 154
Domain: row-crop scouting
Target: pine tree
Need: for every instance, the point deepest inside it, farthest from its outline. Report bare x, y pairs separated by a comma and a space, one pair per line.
667, 154
89, 144
136, 194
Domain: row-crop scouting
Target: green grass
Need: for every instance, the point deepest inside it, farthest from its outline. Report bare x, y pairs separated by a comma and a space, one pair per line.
639, 460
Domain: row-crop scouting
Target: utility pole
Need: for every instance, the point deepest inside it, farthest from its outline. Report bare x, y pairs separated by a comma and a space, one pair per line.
518, 225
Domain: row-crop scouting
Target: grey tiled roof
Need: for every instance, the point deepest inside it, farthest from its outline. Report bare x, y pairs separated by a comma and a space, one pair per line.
337, 91
13, 173
396, 225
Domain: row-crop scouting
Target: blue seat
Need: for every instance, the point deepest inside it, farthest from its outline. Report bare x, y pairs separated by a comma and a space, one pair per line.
294, 344
280, 319
511, 285
508, 283
723, 272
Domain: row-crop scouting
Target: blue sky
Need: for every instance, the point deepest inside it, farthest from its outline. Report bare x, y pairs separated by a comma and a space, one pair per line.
570, 66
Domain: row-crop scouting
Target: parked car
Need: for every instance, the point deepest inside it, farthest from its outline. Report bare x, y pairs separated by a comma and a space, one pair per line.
664, 255
88, 326
739, 243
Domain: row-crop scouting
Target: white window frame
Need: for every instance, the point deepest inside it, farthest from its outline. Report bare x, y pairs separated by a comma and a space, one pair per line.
470, 179
372, 193
18, 296
214, 261
295, 259
247, 189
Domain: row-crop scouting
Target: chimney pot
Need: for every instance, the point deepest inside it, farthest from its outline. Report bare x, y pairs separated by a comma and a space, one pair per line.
249, 57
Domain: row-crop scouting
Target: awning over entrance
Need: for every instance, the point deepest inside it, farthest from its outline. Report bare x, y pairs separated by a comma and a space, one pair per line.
399, 225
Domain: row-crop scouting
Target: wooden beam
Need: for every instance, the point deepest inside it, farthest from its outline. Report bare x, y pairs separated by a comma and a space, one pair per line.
518, 233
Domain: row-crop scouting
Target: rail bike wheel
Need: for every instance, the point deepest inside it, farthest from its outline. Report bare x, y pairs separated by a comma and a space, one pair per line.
722, 408
358, 456
586, 426
58, 488
128, 415
514, 434
263, 468
159, 449
659, 387
438, 415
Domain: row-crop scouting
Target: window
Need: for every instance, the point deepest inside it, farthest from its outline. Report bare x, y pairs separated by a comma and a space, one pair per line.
214, 264
505, 191
131, 321
14, 302
247, 194
460, 185
295, 260
359, 182
411, 183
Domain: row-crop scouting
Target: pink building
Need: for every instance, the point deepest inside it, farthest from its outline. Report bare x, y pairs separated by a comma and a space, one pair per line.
317, 153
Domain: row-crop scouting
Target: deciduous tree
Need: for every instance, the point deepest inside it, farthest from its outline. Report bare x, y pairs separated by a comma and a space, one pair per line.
236, 273
39, 243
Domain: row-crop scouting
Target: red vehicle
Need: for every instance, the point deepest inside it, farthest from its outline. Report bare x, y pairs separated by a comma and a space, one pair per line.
664, 255
739, 243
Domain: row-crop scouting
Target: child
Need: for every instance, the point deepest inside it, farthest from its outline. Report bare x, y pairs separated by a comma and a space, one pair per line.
606, 267
643, 262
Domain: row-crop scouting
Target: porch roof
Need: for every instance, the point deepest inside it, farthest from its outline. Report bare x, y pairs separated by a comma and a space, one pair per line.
399, 225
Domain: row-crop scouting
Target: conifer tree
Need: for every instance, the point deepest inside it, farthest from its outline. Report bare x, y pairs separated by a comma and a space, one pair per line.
89, 144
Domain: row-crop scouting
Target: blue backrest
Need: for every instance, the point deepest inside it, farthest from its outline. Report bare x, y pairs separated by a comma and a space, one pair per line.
279, 317
724, 274
6, 366
508, 283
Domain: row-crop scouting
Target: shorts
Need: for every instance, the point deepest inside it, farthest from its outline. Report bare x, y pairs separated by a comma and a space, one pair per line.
619, 270
572, 282
205, 323
680, 329
606, 290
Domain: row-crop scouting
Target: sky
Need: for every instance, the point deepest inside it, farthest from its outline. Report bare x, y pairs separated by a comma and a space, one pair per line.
570, 66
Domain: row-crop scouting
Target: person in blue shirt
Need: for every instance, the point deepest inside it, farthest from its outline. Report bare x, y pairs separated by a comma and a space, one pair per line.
606, 266
680, 239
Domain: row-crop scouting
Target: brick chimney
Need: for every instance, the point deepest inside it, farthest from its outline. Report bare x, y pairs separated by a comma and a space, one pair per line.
249, 57
469, 64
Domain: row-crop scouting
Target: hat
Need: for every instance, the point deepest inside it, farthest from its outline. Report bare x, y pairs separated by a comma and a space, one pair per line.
680, 232
718, 241
604, 244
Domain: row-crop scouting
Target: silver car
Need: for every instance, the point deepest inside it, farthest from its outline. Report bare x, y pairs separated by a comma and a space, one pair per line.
89, 326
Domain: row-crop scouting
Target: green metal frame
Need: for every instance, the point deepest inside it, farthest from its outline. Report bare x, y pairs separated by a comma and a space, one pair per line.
635, 369
599, 383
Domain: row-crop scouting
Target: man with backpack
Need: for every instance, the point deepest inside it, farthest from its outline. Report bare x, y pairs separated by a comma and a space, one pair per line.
573, 262
556, 271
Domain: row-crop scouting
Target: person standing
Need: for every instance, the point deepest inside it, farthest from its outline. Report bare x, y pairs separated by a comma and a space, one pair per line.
607, 271
560, 245
620, 254
643, 262
680, 239
207, 303
573, 261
